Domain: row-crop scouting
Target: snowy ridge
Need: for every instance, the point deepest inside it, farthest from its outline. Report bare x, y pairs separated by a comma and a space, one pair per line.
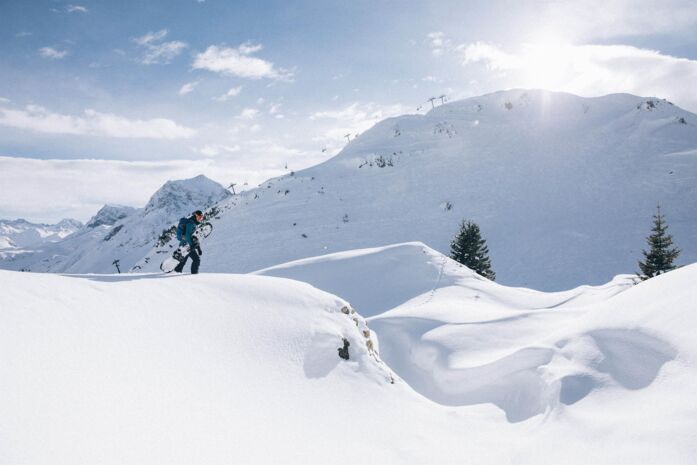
21, 236
563, 188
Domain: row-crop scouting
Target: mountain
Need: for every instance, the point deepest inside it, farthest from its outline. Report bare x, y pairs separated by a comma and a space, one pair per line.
123, 233
448, 367
563, 188
20, 236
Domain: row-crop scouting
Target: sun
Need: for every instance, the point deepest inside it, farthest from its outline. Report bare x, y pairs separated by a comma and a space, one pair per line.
547, 62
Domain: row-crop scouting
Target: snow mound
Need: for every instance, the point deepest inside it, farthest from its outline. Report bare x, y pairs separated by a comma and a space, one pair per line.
459, 339
183, 369
378, 279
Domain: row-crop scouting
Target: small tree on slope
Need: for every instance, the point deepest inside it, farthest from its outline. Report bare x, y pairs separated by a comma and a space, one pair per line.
470, 249
659, 259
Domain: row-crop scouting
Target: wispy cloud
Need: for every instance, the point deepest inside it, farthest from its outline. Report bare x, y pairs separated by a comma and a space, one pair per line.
439, 43
156, 51
232, 92
584, 20
52, 53
4, 100
92, 123
238, 61
76, 9
213, 150
354, 118
249, 114
46, 199
23, 34
188, 88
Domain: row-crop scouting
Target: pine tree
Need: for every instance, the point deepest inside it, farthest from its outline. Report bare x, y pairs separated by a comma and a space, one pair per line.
470, 249
659, 259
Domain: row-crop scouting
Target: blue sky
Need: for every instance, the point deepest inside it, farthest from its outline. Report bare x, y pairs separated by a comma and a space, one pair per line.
103, 101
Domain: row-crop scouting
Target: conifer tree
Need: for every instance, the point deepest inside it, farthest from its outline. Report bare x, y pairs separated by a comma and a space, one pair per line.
659, 259
470, 249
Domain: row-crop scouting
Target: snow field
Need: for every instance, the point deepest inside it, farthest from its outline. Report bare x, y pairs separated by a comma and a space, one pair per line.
219, 368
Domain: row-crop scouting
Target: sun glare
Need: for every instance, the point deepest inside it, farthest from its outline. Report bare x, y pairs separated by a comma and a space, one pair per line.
546, 62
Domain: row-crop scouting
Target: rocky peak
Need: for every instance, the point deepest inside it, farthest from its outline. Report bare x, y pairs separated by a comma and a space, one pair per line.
109, 214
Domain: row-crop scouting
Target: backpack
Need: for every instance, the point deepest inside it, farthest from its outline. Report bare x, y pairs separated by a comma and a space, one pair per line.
181, 228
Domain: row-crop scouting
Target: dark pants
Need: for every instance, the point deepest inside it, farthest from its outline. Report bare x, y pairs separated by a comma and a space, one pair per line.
195, 262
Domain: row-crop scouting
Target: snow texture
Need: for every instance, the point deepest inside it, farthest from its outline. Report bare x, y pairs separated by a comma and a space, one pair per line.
448, 368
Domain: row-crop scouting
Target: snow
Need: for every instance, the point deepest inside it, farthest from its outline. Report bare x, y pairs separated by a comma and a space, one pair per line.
563, 188
224, 368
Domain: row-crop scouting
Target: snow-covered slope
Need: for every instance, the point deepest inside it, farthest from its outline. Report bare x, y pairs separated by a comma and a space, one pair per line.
219, 368
21, 236
615, 358
123, 233
563, 188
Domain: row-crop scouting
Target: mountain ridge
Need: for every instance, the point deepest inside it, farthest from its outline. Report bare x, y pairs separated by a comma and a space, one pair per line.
563, 188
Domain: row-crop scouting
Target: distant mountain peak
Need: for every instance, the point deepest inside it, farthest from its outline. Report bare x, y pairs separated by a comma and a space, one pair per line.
195, 193
109, 214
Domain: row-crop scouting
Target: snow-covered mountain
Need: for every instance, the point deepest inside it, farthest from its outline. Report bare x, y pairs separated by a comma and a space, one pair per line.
122, 233
221, 368
563, 187
21, 236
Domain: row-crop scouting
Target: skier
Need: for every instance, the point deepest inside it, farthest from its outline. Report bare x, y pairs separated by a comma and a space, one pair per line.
187, 226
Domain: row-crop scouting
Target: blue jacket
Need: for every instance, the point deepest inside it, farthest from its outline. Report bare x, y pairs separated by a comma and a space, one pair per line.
188, 237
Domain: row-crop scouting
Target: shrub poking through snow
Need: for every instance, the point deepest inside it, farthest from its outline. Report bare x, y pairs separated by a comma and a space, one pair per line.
470, 249
343, 351
659, 258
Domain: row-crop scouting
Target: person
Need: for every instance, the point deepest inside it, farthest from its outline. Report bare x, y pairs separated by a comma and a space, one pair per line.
188, 226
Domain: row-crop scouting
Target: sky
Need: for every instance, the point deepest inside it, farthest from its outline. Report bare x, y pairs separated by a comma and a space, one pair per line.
103, 101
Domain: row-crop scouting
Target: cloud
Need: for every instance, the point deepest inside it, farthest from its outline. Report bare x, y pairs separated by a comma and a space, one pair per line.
187, 88
76, 8
589, 70
49, 190
239, 62
157, 52
213, 150
249, 114
354, 118
584, 20
52, 53
23, 34
439, 43
92, 123
491, 55
151, 37
233, 92
4, 100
